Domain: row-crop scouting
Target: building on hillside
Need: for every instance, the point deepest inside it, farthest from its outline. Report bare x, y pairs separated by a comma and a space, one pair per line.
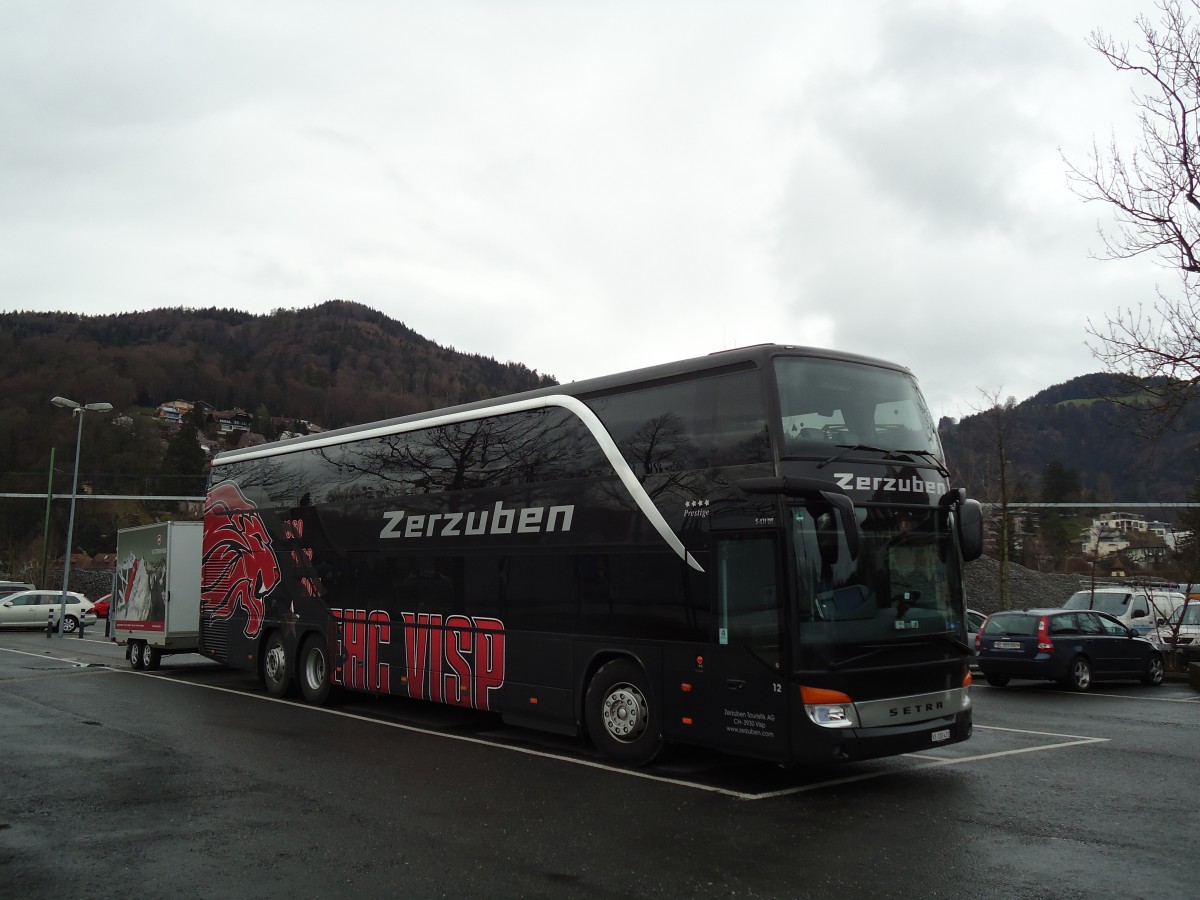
1101, 542
210, 447
235, 419
175, 411
1146, 552
1114, 532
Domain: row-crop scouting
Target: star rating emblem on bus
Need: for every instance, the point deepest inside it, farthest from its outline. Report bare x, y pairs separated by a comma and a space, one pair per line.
695, 509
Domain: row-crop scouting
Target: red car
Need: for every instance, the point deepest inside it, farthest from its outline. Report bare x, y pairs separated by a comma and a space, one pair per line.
102, 606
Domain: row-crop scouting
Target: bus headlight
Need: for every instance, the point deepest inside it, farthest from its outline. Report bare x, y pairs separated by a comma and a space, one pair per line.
829, 709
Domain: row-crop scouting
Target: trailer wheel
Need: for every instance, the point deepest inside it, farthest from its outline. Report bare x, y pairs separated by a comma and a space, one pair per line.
276, 669
314, 671
135, 654
622, 717
151, 657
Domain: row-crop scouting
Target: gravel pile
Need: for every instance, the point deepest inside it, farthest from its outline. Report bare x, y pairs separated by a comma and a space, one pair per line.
1026, 588
92, 583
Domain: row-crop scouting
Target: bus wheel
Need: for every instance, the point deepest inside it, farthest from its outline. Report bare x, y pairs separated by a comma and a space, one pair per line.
150, 657
275, 671
135, 654
314, 672
621, 717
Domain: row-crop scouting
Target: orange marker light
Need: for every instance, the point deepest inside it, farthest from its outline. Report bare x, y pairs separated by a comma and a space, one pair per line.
686, 688
687, 720
811, 695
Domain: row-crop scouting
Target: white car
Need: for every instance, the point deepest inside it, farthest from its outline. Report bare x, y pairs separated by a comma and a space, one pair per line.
1187, 620
975, 620
31, 609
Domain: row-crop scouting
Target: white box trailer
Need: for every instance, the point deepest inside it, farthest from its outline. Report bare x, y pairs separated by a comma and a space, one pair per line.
156, 591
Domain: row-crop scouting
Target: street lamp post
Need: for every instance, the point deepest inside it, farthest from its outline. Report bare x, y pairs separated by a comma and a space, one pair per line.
77, 409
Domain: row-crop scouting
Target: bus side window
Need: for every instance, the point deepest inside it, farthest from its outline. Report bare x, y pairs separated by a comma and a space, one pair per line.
748, 595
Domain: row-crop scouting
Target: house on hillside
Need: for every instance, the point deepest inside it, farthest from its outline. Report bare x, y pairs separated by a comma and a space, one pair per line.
1146, 553
235, 419
1136, 537
175, 411
1100, 542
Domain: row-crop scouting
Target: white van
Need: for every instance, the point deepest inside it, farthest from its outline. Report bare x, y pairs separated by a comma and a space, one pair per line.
1140, 608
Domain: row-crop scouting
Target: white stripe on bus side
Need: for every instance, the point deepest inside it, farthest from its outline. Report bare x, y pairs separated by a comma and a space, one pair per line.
571, 404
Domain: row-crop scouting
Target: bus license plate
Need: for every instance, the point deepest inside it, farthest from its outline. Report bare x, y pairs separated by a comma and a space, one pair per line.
939, 736
1006, 645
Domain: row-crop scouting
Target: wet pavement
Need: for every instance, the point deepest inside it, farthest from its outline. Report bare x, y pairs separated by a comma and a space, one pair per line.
190, 781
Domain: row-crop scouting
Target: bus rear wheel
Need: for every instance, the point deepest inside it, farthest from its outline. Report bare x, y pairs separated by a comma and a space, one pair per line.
622, 718
275, 667
314, 672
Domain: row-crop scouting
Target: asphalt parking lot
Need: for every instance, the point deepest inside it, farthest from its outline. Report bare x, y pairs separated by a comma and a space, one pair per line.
1056, 795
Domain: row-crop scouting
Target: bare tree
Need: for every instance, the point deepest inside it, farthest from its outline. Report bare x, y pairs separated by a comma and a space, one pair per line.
999, 418
1153, 189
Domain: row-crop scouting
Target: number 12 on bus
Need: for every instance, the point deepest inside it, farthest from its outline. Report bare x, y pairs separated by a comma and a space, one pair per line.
757, 551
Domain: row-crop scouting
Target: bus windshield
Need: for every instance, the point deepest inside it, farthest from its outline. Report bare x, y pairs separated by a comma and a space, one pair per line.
903, 584
825, 404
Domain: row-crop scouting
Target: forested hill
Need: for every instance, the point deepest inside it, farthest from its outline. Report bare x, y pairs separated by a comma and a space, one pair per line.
1075, 441
338, 363
342, 363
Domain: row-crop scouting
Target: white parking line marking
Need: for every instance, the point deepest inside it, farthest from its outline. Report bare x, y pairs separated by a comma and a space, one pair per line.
1140, 697
1099, 694
454, 737
930, 762
936, 762
75, 663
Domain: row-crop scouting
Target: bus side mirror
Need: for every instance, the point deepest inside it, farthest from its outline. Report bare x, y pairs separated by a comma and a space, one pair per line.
970, 529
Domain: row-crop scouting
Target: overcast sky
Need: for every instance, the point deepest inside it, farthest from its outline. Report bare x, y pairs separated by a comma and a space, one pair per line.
581, 187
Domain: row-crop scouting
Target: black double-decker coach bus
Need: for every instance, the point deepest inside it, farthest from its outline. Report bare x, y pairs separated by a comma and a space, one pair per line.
757, 551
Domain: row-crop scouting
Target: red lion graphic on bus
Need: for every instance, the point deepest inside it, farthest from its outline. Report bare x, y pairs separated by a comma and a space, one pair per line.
239, 567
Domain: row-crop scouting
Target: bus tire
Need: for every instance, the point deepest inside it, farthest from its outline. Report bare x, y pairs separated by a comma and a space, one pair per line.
276, 668
622, 717
150, 657
314, 671
135, 654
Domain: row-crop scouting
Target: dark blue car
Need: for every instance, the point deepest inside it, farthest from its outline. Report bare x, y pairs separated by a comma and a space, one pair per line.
1072, 647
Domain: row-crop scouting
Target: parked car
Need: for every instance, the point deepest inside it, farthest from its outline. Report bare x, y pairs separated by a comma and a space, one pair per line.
1072, 647
1140, 608
975, 620
12, 587
31, 609
102, 606
1187, 621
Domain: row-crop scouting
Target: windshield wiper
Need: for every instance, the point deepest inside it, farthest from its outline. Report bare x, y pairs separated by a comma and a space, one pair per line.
897, 455
930, 456
850, 448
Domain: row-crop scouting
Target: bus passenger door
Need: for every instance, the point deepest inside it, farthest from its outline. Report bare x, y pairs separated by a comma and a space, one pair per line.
750, 712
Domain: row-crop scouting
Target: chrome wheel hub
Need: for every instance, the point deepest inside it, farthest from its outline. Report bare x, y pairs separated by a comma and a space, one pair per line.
625, 713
